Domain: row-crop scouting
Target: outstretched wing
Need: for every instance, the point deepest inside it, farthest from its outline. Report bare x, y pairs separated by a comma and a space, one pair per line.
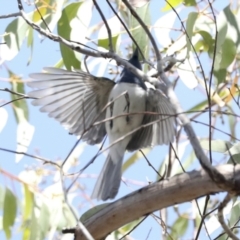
75, 99
159, 122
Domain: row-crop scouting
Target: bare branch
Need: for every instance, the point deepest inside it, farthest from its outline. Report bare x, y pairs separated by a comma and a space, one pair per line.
223, 204
126, 28
17, 14
106, 24
77, 47
46, 161
186, 186
154, 44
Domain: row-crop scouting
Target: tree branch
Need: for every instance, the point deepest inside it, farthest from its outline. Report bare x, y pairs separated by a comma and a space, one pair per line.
178, 189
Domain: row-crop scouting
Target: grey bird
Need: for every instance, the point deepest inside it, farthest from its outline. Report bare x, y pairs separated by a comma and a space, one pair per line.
135, 116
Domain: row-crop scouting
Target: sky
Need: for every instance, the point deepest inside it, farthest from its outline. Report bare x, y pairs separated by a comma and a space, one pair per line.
53, 142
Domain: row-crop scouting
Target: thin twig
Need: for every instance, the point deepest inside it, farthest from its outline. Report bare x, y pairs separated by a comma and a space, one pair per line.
126, 28
84, 230
137, 225
203, 216
89, 163
154, 169
17, 14
106, 25
46, 161
222, 205
41, 17
154, 44
16, 93
210, 81
14, 100
76, 46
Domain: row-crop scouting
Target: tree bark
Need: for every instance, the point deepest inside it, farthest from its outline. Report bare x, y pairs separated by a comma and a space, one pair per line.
178, 189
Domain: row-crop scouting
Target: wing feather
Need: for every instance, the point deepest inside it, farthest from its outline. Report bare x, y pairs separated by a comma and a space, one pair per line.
75, 99
160, 125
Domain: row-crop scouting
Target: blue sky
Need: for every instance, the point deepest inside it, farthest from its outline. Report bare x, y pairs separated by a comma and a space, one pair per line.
53, 142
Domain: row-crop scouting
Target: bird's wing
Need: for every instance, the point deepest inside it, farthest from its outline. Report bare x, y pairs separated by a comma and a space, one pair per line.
159, 123
75, 99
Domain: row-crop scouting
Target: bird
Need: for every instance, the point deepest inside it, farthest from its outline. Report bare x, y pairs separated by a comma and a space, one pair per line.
131, 114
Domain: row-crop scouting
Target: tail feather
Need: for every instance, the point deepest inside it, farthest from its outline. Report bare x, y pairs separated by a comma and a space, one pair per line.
109, 179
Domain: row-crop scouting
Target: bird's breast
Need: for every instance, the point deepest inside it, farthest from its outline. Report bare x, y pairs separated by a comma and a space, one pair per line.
126, 110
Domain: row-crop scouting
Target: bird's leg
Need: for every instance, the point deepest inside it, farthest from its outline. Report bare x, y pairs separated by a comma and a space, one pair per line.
127, 106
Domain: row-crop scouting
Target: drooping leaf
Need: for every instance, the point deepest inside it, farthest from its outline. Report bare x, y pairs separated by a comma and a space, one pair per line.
16, 32
233, 149
27, 211
170, 4
216, 145
189, 3
179, 227
162, 28
73, 26
44, 220
138, 33
103, 38
9, 212
28, 202
187, 69
192, 17
235, 158
232, 121
20, 107
205, 43
34, 229
234, 215
89, 213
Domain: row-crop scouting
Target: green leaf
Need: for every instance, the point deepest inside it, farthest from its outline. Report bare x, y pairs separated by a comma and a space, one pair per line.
138, 32
192, 17
233, 21
234, 217
220, 75
179, 227
103, 38
30, 43
44, 220
228, 53
2, 194
28, 204
216, 145
9, 212
59, 64
206, 42
189, 3
235, 158
34, 229
68, 215
89, 213
233, 149
200, 106
73, 25
232, 121
222, 26
173, 4
16, 32
105, 43
20, 107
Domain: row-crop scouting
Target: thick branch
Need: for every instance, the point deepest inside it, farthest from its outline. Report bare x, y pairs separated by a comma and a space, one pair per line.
180, 188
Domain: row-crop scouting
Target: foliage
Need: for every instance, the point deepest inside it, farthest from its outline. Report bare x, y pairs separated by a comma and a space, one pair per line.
206, 35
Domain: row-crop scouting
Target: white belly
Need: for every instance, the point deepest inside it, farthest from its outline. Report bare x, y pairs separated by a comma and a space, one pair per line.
132, 102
